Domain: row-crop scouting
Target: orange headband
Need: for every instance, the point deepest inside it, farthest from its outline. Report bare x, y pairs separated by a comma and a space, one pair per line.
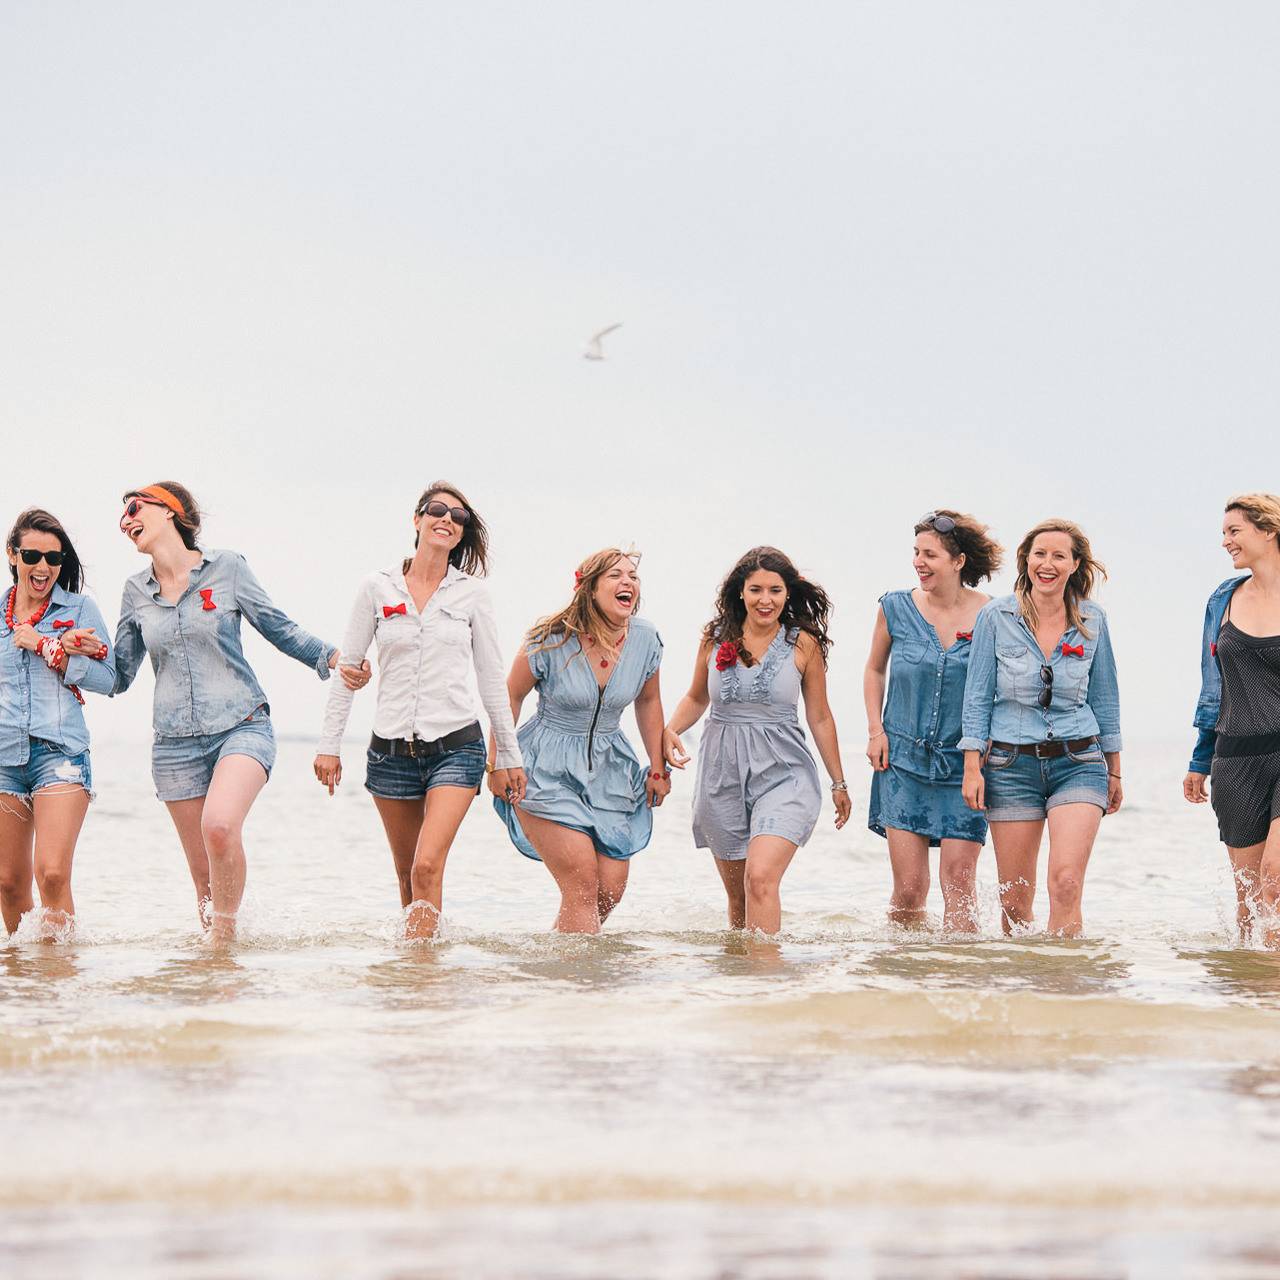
159, 492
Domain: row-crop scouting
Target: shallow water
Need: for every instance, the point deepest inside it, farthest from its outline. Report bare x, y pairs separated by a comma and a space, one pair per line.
667, 1099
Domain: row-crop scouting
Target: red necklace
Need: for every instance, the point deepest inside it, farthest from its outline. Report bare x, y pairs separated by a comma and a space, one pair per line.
34, 620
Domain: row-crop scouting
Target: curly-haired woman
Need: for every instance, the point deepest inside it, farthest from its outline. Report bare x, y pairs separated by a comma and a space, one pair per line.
758, 798
587, 803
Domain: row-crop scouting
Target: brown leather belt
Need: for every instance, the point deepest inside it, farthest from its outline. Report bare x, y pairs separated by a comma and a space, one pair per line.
1049, 750
417, 749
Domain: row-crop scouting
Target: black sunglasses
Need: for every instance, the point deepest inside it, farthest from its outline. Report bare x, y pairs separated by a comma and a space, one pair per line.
435, 509
1045, 697
939, 524
29, 556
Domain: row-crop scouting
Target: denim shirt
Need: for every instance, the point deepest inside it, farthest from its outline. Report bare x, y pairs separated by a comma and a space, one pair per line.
35, 702
203, 682
1206, 717
1000, 697
925, 693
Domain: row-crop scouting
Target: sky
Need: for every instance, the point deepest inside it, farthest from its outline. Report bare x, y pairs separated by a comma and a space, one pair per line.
870, 259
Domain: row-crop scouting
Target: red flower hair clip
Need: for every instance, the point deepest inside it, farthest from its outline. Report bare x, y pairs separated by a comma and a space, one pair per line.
726, 655
577, 579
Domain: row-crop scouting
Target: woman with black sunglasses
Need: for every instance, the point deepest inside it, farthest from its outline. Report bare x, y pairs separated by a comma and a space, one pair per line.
433, 622
49, 650
1042, 705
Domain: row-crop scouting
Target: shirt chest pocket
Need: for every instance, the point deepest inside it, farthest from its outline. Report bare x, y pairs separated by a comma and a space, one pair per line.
909, 652
1071, 673
448, 627
397, 633
1017, 673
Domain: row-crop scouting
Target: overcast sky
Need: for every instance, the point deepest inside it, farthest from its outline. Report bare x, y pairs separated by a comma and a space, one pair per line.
870, 259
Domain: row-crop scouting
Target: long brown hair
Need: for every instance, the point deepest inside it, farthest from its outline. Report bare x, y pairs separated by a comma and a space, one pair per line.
582, 617
471, 555
1079, 585
38, 520
807, 606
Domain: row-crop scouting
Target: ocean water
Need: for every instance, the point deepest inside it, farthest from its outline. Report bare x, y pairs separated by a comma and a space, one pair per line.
665, 1100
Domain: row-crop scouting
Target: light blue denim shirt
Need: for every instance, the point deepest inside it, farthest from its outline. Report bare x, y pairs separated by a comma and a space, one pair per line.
1000, 696
1206, 717
926, 690
35, 702
203, 682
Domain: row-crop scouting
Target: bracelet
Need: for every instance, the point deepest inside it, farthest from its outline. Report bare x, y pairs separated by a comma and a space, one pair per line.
878, 733
842, 785
1116, 776
52, 654
661, 777
488, 768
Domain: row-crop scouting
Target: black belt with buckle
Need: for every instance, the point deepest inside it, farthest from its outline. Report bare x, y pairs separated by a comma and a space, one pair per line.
1050, 750
416, 748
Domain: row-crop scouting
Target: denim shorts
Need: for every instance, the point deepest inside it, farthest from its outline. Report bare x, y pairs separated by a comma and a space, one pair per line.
48, 765
410, 778
182, 768
1021, 788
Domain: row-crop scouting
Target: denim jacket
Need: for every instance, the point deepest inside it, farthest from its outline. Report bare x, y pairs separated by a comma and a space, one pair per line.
1000, 696
1206, 717
925, 693
203, 682
35, 702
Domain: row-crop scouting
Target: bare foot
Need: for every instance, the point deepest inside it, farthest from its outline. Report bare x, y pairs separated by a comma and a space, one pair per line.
421, 920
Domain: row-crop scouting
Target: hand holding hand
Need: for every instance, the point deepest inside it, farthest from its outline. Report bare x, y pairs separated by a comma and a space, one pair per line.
673, 751
83, 642
355, 677
657, 787
508, 784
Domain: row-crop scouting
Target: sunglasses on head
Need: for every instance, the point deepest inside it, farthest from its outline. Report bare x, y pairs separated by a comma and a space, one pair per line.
939, 524
1045, 696
435, 509
53, 558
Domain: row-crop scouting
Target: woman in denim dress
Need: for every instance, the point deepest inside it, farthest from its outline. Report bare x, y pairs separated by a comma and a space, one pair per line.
1041, 724
214, 745
913, 727
50, 649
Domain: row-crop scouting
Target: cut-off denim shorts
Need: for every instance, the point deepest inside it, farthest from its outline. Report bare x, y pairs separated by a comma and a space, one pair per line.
1020, 788
48, 765
410, 778
182, 768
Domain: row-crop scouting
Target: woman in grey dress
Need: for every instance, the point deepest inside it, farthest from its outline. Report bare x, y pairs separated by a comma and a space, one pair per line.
757, 797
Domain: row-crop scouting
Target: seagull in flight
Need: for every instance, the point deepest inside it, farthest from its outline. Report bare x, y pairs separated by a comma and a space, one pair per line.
594, 350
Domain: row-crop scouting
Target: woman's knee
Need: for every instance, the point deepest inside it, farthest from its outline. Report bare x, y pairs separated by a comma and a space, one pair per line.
1066, 883
52, 879
427, 871
220, 833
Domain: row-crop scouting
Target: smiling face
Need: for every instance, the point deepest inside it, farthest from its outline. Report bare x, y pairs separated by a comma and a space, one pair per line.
934, 564
36, 581
1245, 543
149, 524
617, 591
764, 593
1050, 564
439, 531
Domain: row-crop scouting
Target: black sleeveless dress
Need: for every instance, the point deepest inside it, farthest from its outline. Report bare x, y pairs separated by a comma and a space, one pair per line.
1245, 774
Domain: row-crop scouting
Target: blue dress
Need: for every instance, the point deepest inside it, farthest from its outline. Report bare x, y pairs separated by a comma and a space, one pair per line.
921, 789
581, 770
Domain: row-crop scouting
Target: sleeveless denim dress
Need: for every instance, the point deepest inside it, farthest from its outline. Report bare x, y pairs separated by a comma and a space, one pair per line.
920, 791
755, 773
582, 772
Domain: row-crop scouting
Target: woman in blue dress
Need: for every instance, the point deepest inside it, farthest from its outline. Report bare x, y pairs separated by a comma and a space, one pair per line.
913, 727
588, 801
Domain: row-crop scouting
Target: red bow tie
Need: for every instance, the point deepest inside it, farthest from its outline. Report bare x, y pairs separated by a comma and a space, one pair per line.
206, 594
61, 624
1077, 649
390, 610
1213, 649
964, 635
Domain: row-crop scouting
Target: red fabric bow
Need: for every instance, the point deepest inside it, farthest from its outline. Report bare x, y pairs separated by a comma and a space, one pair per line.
964, 635
206, 594
726, 655
1213, 649
1077, 649
577, 578
390, 610
61, 624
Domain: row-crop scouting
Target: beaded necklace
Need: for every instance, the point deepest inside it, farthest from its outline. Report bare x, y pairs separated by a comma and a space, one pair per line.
33, 621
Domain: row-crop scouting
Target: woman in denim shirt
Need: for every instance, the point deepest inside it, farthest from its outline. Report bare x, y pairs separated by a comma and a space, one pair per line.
214, 746
1238, 713
1042, 702
49, 650
912, 730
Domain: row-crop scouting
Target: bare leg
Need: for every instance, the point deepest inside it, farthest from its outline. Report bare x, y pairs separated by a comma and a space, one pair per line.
768, 857
236, 782
734, 875
909, 861
186, 815
445, 809
402, 821
611, 883
1017, 846
571, 858
1246, 873
59, 811
958, 871
1072, 831
17, 830
1269, 876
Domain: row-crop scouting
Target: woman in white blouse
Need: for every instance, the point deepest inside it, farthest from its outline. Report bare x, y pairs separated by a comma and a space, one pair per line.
433, 620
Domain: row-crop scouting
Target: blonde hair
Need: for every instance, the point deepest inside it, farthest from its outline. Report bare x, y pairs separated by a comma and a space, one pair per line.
582, 617
1262, 510
1079, 585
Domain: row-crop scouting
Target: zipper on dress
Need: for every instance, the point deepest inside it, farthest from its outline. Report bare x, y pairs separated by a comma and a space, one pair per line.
591, 733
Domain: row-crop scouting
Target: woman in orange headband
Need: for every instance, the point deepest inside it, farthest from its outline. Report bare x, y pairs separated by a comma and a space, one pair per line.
214, 745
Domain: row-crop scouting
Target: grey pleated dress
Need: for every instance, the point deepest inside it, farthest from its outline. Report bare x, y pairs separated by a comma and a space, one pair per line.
756, 776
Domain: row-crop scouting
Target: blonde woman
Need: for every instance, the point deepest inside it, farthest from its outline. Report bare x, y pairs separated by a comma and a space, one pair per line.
1238, 714
587, 804
1041, 724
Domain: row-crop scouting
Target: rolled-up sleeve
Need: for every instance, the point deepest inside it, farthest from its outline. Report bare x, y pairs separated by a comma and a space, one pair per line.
98, 675
979, 685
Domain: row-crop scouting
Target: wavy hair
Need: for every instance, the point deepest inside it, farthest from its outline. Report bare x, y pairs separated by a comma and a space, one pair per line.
582, 615
38, 520
471, 555
1262, 510
1079, 585
983, 555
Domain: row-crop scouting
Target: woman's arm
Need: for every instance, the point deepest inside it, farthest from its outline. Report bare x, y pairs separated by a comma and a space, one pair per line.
1103, 693
129, 648
975, 717
649, 721
337, 710
874, 680
98, 675
822, 724
688, 711
486, 655
276, 627
520, 684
